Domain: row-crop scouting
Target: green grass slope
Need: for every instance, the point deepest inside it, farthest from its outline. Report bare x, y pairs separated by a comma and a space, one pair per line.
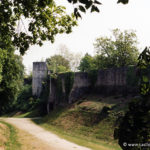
10, 135
89, 122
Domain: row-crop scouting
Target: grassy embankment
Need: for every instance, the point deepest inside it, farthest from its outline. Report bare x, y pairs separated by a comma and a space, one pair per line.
8, 137
89, 122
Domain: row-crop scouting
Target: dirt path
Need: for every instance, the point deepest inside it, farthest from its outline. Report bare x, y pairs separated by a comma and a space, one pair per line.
54, 142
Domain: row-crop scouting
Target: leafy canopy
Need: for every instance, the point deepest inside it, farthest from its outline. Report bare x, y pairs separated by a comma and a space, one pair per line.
57, 64
144, 65
86, 63
84, 5
12, 79
45, 20
117, 51
135, 125
3, 55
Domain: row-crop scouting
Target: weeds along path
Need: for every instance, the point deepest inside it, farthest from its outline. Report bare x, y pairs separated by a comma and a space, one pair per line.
55, 142
8, 137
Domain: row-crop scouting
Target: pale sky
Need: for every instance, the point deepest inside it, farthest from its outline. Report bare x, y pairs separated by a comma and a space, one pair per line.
134, 16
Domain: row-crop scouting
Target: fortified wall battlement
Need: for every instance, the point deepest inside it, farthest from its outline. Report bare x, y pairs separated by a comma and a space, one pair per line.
68, 88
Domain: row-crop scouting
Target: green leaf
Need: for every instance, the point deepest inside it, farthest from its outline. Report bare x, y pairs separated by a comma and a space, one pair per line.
94, 8
82, 8
145, 79
69, 1
97, 2
88, 5
74, 1
78, 14
123, 1
75, 11
83, 1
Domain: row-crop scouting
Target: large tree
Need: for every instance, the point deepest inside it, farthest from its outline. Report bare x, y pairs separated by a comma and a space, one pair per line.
117, 51
133, 132
12, 79
57, 64
44, 18
86, 63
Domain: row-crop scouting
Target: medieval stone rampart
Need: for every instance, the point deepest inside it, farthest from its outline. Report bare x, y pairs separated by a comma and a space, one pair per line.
112, 81
69, 87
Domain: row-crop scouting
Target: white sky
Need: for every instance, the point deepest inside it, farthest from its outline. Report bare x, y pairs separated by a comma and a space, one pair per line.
134, 16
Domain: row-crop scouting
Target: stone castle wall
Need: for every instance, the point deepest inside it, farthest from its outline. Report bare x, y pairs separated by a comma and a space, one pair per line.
112, 81
80, 87
108, 82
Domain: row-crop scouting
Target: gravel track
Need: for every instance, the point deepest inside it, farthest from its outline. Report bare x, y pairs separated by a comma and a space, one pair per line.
55, 142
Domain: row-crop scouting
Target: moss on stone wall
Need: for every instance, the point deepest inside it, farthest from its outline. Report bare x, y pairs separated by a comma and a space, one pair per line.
92, 74
59, 92
44, 95
131, 78
63, 84
68, 78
